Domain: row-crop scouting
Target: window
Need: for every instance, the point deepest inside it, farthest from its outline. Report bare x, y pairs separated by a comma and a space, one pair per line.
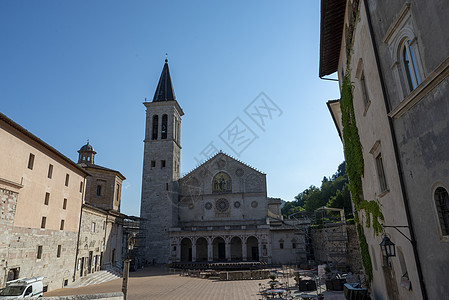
50, 171
294, 244
155, 127
64, 203
58, 252
153, 163
365, 95
99, 190
164, 127
162, 164
39, 252
381, 174
43, 222
61, 227
47, 198
281, 245
442, 203
31, 161
67, 179
81, 186
117, 194
166, 186
405, 57
410, 67
93, 227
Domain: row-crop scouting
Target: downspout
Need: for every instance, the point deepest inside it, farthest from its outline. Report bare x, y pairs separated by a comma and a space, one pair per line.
396, 154
79, 229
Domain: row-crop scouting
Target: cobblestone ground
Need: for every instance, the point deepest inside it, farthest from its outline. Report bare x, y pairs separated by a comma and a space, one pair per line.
157, 283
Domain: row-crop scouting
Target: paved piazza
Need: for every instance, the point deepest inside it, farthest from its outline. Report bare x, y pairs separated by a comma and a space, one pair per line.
157, 283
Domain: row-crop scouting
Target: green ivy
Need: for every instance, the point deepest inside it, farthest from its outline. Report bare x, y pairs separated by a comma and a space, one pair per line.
354, 155
354, 166
352, 146
364, 252
372, 208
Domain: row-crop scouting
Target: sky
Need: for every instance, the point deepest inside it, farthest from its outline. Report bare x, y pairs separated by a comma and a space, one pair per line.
77, 70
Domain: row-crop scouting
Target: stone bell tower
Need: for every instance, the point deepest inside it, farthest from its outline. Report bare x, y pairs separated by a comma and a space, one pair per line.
161, 168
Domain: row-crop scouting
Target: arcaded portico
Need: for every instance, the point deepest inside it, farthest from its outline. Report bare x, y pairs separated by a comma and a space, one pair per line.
219, 247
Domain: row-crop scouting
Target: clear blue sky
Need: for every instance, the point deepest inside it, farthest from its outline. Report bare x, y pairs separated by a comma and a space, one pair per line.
77, 70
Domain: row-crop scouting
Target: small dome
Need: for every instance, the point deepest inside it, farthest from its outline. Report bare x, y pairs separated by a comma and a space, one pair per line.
87, 147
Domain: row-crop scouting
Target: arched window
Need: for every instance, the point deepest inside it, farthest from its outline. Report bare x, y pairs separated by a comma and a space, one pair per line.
155, 127
222, 183
164, 127
442, 203
410, 66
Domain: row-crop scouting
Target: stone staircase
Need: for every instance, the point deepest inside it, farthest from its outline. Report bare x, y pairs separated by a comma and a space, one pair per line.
96, 278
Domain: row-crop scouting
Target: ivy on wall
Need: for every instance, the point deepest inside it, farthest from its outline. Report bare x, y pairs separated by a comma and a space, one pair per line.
354, 155
354, 166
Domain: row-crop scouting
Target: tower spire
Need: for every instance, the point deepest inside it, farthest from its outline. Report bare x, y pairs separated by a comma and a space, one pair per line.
164, 90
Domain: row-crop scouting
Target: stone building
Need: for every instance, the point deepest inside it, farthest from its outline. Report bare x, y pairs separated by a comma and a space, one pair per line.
42, 192
396, 55
218, 212
101, 233
91, 243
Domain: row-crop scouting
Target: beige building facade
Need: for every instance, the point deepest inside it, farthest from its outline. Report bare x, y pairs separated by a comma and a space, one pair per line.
42, 192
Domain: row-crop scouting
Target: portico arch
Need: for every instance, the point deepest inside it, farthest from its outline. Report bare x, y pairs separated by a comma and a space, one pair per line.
219, 249
252, 248
186, 249
236, 249
201, 249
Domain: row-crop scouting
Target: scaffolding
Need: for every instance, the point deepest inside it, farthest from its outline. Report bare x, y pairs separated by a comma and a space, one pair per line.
336, 236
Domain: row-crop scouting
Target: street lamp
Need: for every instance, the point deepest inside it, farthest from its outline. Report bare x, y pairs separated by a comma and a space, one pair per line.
129, 246
387, 247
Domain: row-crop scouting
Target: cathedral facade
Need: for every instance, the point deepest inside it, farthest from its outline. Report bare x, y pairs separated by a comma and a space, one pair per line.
218, 212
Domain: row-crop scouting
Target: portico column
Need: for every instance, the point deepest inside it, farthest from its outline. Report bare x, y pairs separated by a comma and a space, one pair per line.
194, 251
178, 250
228, 250
210, 250
269, 252
244, 254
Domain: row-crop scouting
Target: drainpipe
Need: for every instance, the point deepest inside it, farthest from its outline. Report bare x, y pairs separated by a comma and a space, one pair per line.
396, 155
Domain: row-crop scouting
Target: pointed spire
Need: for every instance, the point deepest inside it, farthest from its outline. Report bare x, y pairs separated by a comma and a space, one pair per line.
164, 91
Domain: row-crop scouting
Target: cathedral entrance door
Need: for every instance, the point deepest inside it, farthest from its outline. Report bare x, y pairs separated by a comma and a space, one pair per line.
254, 253
221, 251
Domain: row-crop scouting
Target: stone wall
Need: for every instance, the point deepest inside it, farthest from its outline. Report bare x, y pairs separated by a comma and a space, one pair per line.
7, 209
337, 245
58, 271
91, 243
107, 296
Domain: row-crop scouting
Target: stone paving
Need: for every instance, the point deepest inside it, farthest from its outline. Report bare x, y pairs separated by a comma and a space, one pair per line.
158, 283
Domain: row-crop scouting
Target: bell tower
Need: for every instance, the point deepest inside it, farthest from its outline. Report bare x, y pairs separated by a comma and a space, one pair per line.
161, 168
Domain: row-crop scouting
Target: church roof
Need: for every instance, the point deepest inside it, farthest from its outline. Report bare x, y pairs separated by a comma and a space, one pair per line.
164, 90
93, 166
221, 153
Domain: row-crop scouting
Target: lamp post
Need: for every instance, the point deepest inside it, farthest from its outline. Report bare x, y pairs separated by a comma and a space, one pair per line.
129, 246
388, 248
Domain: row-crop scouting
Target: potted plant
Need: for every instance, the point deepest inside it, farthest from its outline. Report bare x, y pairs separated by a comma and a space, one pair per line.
273, 280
